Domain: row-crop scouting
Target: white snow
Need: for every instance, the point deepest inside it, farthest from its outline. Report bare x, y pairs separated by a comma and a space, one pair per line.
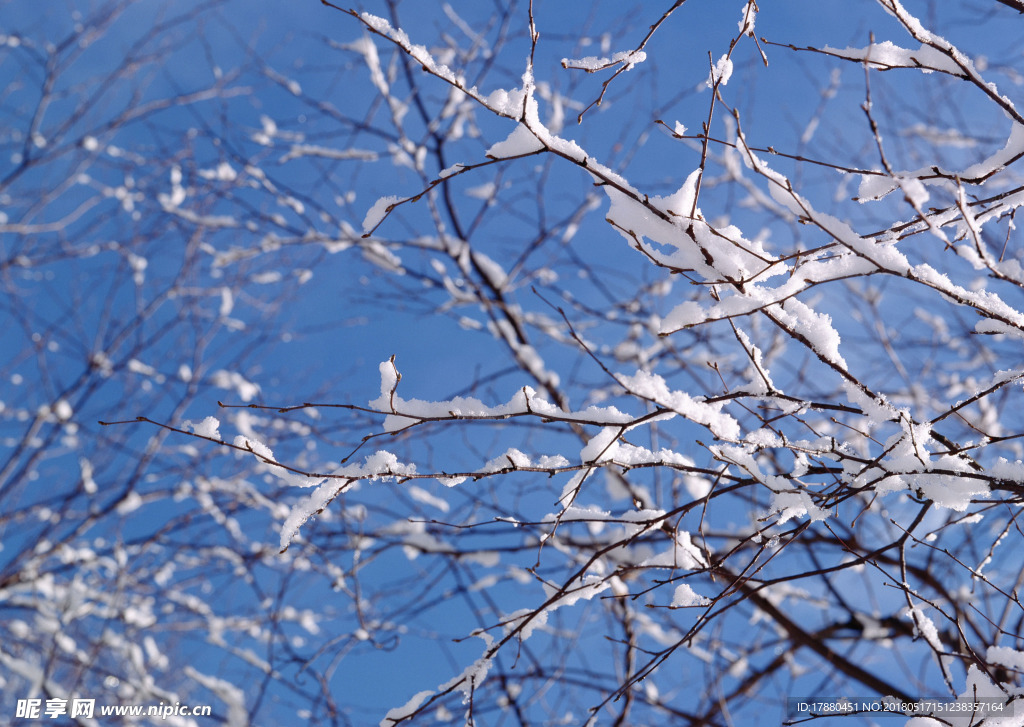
234, 381
793, 504
483, 191
682, 554
203, 220
421, 495
519, 143
224, 172
298, 151
1007, 656
886, 55
505, 102
685, 597
88, 483
528, 620
227, 301
525, 401
452, 170
418, 52
129, 503
398, 713
654, 388
721, 73
925, 627
380, 466
62, 410
628, 59
232, 696
376, 213
746, 24
209, 427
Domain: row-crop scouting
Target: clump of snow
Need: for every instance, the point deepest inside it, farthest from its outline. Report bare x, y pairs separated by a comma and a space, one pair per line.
177, 196
405, 412
682, 554
232, 380
418, 52
376, 213
209, 428
653, 388
526, 621
914, 191
681, 203
483, 191
795, 504
230, 694
685, 597
421, 495
886, 55
375, 252
62, 410
721, 73
310, 150
1009, 657
876, 186
397, 714
129, 503
203, 220
265, 137
224, 172
519, 143
746, 24
1005, 470
1013, 148
601, 445
506, 103
925, 627
451, 170
952, 492
628, 59
88, 483
380, 466
227, 301
815, 328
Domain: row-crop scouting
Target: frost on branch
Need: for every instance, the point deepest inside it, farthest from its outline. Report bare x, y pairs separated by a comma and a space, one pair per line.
590, 64
721, 72
376, 213
379, 467
736, 406
886, 55
519, 143
822, 447
684, 597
